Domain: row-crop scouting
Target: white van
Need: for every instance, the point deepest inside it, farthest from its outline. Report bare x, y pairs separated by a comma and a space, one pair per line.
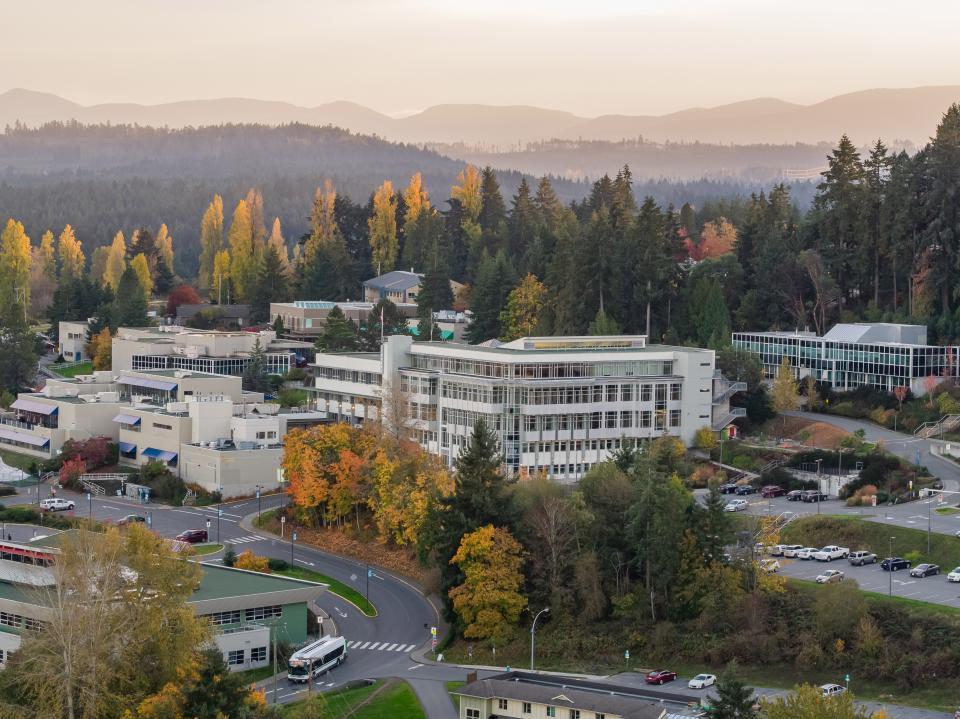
321, 656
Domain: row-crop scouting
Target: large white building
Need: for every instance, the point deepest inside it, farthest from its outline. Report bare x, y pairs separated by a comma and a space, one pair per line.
558, 405
879, 354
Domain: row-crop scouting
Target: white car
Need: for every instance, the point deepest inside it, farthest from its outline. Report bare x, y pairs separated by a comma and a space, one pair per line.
806, 552
770, 565
831, 552
832, 690
736, 505
56, 504
702, 681
954, 576
790, 550
830, 576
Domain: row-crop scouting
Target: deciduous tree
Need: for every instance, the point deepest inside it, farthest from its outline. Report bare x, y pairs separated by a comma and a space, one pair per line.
140, 265
211, 240
521, 315
70, 255
116, 262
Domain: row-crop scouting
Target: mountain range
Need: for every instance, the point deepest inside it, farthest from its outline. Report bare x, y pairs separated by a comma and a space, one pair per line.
902, 114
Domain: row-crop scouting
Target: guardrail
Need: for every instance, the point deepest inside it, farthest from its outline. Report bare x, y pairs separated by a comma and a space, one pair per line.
947, 423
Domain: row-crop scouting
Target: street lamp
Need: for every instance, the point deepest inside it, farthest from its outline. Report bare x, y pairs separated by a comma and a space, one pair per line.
533, 633
293, 538
890, 569
259, 489
819, 485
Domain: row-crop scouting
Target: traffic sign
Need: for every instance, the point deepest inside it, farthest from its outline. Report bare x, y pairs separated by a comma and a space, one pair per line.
626, 654
294, 536
433, 632
846, 678
369, 572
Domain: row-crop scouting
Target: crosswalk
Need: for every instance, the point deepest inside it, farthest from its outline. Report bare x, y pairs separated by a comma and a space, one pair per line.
244, 540
382, 646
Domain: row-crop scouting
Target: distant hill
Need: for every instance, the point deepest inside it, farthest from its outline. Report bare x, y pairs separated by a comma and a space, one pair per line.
904, 114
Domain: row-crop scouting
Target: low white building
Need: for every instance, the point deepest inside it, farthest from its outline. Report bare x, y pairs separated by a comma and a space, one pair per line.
558, 405
73, 341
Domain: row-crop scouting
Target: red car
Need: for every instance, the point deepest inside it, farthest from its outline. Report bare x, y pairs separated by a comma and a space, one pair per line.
192, 536
772, 490
660, 676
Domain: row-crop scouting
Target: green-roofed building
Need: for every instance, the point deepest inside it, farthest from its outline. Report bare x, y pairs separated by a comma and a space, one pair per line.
247, 609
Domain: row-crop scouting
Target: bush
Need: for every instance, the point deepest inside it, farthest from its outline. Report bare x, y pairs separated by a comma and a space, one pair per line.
250, 561
229, 557
278, 565
164, 485
19, 515
6, 490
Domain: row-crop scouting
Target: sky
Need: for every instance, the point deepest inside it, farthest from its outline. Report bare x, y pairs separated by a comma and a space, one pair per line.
590, 57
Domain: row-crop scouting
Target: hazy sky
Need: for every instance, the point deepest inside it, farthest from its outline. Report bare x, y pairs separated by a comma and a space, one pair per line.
588, 56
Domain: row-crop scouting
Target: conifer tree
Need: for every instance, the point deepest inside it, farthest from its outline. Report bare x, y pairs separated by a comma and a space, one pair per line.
434, 295
549, 208
523, 222
340, 333
142, 242
255, 371
495, 279
393, 323
211, 240
603, 325
383, 229
70, 255
270, 284
941, 210
164, 277
130, 306
493, 210
242, 259
116, 262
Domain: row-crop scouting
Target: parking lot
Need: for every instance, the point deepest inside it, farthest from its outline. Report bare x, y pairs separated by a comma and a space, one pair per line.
873, 579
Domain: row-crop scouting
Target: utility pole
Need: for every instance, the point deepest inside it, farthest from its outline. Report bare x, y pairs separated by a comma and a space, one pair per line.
890, 569
274, 665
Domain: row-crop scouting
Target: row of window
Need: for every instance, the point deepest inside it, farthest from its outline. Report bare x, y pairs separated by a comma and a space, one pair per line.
543, 370
238, 657
601, 420
251, 615
527, 708
348, 375
277, 363
17, 621
579, 445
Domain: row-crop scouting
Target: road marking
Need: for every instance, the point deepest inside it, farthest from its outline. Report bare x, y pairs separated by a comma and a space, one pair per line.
374, 645
407, 648
364, 645
391, 647
415, 666
342, 613
244, 540
186, 511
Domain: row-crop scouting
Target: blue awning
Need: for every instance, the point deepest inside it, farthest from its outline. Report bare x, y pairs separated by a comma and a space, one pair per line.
36, 407
127, 419
163, 454
148, 383
31, 439
127, 447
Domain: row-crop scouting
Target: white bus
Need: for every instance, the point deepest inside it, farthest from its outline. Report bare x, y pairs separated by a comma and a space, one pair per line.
320, 656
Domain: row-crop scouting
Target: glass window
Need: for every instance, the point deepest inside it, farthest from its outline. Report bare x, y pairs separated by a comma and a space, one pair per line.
551, 711
473, 713
526, 708
258, 654
501, 704
235, 657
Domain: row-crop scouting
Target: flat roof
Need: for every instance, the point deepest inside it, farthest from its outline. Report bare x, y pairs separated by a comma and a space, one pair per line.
176, 373
220, 582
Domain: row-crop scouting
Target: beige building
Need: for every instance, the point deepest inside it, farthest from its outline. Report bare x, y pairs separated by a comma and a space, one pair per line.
305, 319
73, 341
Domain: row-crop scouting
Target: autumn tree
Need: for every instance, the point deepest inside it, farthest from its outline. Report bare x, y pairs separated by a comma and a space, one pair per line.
221, 277
718, 237
181, 295
100, 349
415, 200
277, 243
15, 258
242, 258
43, 275
139, 265
406, 486
116, 262
784, 396
521, 315
164, 243
70, 254
252, 562
808, 702
488, 602
211, 240
383, 229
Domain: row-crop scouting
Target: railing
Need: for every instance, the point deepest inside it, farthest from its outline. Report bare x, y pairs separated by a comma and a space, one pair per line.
10, 422
772, 464
947, 423
734, 413
189, 498
95, 489
726, 389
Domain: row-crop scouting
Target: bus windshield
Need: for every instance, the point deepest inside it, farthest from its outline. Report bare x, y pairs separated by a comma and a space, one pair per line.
299, 668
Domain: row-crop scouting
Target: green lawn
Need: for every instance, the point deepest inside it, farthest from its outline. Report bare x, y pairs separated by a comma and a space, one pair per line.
858, 534
211, 548
453, 697
259, 674
383, 700
20, 461
947, 510
337, 587
73, 371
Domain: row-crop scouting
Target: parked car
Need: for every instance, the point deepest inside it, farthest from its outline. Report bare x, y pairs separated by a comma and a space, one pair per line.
790, 550
746, 489
736, 505
770, 565
728, 488
702, 681
813, 495
832, 690
831, 552
772, 490
192, 536
830, 576
954, 576
925, 570
807, 553
660, 676
894, 564
861, 557
794, 495
131, 519
56, 504
957, 533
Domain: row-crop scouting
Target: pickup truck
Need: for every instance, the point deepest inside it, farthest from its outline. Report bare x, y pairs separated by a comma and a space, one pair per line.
831, 552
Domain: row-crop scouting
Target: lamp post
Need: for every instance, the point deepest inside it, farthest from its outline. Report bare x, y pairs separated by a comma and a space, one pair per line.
890, 569
818, 485
293, 538
533, 634
259, 489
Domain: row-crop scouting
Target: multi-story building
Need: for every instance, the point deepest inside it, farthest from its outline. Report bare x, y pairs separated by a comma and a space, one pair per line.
879, 355
526, 695
398, 286
305, 319
73, 341
246, 609
558, 405
170, 347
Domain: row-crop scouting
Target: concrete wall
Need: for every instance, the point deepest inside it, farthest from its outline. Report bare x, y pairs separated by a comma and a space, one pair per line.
237, 471
250, 638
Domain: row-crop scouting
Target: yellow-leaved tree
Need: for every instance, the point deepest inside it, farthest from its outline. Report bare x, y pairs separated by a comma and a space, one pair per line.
211, 240
784, 396
70, 254
415, 199
401, 506
221, 277
15, 259
276, 242
468, 194
116, 262
524, 305
243, 264
142, 268
323, 223
100, 349
489, 601
383, 229
807, 702
164, 244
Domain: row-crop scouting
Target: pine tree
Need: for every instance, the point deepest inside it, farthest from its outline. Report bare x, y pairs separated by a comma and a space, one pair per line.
242, 258
941, 210
255, 371
143, 243
140, 266
523, 222
495, 279
383, 229
116, 262
15, 259
270, 285
130, 306
164, 277
734, 700
434, 295
493, 211
339, 333
603, 325
211, 240
70, 255
393, 323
